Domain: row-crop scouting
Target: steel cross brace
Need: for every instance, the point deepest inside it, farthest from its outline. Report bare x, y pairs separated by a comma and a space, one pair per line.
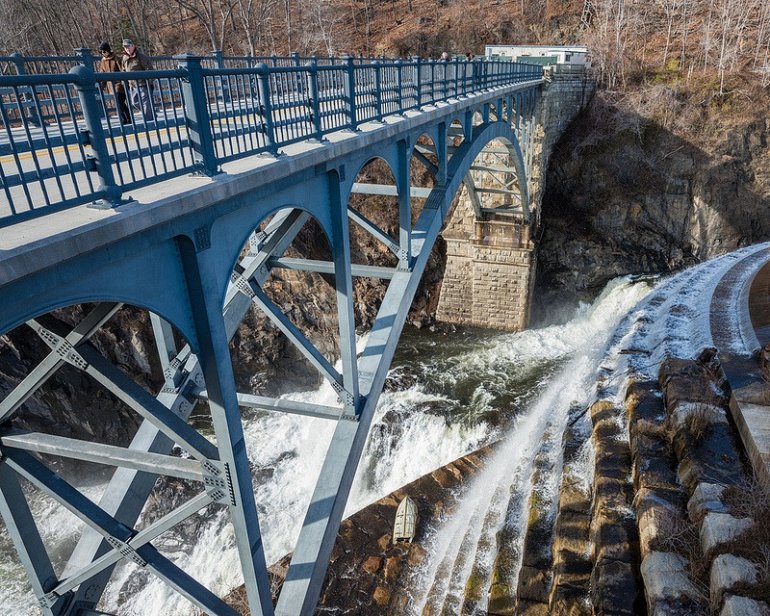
366, 224
149, 438
310, 558
54, 360
118, 535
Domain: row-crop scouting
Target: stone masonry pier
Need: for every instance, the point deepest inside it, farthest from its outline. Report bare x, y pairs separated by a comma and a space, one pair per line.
491, 261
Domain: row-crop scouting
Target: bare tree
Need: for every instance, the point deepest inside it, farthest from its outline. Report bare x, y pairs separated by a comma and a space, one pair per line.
213, 15
254, 18
670, 9
323, 21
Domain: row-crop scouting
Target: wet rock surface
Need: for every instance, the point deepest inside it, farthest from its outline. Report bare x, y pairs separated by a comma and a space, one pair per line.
368, 574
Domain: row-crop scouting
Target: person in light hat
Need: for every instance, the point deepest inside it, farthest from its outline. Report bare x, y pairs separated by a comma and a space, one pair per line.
141, 92
109, 64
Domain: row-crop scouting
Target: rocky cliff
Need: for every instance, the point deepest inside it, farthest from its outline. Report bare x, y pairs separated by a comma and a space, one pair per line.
652, 181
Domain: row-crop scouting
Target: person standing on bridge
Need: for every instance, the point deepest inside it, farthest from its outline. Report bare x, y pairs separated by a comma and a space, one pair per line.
109, 64
141, 91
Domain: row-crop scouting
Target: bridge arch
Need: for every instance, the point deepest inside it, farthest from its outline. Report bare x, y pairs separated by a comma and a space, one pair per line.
152, 280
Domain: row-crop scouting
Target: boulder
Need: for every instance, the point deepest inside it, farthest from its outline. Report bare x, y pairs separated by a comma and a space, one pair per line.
667, 581
571, 533
644, 402
381, 596
614, 537
532, 608
372, 564
614, 588
727, 571
655, 525
653, 462
743, 606
719, 529
706, 498
534, 585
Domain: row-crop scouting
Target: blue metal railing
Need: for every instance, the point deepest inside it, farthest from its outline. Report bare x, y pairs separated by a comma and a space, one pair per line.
18, 64
62, 142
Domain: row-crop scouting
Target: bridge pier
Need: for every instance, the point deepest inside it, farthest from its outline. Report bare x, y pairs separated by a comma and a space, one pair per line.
488, 276
491, 244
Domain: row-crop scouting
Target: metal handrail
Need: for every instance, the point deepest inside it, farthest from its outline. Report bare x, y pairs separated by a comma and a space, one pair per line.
20, 64
62, 144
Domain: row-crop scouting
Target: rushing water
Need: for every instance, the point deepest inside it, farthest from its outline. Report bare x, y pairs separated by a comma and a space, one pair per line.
447, 395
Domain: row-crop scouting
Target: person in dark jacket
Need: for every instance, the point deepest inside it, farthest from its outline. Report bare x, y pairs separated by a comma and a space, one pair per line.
141, 91
109, 64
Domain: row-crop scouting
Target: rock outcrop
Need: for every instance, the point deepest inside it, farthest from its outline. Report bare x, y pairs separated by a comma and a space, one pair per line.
634, 188
367, 574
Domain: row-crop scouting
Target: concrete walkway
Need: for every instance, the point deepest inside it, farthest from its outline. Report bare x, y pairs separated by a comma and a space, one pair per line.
749, 373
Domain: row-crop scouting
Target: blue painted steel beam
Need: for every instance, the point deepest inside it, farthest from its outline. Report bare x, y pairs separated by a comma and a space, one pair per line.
26, 539
98, 519
343, 285
327, 267
366, 224
215, 361
54, 360
153, 531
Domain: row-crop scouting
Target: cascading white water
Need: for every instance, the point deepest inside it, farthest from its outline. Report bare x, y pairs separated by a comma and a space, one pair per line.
583, 340
447, 412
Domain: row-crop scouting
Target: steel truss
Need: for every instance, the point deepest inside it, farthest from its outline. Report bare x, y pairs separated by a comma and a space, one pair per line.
220, 469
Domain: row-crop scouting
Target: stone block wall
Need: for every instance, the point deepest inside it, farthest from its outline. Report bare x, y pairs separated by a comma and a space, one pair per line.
486, 286
565, 93
491, 264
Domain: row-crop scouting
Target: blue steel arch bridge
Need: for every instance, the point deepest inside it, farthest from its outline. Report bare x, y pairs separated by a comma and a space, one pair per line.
101, 214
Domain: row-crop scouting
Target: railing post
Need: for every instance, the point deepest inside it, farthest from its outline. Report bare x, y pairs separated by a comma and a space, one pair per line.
417, 81
18, 61
444, 64
399, 87
295, 58
350, 92
315, 103
223, 85
197, 118
86, 87
263, 78
444, 82
456, 92
86, 58
378, 87
432, 64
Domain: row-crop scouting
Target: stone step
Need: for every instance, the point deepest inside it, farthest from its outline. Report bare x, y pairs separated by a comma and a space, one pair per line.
571, 548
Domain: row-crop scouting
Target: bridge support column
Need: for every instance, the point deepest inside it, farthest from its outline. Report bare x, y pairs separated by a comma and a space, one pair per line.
488, 277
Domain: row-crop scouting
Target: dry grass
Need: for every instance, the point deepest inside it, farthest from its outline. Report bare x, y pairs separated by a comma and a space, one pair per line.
752, 500
698, 422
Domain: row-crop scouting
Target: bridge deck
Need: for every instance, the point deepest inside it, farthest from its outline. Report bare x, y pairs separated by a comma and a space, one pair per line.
33, 245
176, 251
